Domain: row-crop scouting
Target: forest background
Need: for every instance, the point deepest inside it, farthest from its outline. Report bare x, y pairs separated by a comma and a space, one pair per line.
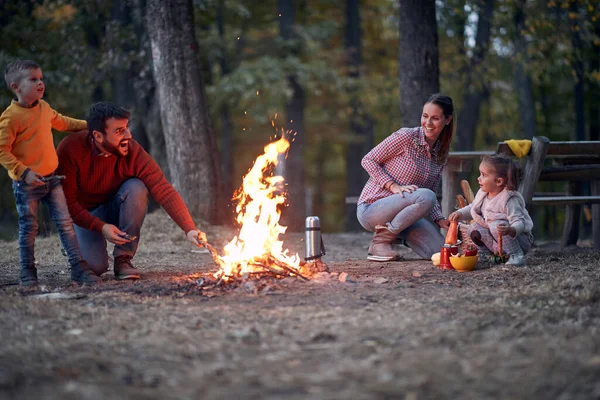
210, 82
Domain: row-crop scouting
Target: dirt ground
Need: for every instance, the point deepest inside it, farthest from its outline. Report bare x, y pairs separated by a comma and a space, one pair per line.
403, 329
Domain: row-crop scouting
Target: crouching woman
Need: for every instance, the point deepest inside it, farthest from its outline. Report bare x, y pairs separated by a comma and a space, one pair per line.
404, 172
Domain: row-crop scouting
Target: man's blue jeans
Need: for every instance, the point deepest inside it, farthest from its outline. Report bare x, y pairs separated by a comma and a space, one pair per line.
27, 198
127, 211
408, 216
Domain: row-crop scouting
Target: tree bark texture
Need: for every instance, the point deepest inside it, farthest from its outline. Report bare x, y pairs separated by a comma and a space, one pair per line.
226, 137
418, 58
293, 215
523, 84
361, 124
595, 88
191, 148
476, 87
578, 89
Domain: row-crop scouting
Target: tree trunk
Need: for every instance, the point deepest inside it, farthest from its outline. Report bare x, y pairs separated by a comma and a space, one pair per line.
595, 87
523, 83
226, 122
361, 125
578, 90
293, 215
573, 213
418, 58
191, 147
476, 88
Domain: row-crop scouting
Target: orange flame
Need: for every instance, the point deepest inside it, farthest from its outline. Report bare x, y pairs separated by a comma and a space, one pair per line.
259, 200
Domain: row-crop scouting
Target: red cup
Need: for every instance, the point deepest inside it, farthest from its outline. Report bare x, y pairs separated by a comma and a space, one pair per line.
445, 252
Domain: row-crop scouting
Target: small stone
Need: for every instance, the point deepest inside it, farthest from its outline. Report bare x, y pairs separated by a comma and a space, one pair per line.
417, 274
344, 277
380, 280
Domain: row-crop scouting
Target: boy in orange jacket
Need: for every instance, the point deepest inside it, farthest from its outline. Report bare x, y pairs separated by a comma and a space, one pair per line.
27, 152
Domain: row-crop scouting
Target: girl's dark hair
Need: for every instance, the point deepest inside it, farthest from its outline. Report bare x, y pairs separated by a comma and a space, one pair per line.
447, 106
506, 168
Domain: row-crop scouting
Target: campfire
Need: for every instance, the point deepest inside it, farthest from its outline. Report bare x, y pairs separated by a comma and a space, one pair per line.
257, 249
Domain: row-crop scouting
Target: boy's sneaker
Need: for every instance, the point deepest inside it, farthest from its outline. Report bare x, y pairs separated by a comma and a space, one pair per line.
517, 258
82, 274
28, 276
124, 269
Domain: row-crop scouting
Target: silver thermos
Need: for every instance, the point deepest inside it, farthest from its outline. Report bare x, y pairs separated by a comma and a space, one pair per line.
313, 241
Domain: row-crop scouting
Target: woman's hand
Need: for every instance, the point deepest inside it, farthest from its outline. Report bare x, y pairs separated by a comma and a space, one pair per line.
454, 217
443, 223
397, 189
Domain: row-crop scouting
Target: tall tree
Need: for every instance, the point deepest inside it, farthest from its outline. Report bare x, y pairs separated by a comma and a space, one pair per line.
293, 216
418, 64
191, 147
226, 122
523, 83
595, 85
361, 124
476, 87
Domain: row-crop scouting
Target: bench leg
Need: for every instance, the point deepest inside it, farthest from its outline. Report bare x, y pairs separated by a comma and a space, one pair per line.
595, 186
572, 214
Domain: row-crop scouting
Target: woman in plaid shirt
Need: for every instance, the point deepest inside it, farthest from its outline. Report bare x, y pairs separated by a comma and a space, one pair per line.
405, 170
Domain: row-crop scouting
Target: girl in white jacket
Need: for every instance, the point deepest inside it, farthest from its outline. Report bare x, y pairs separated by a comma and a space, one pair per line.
498, 209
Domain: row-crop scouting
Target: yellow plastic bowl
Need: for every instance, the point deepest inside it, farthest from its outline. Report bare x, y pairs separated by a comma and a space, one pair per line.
464, 263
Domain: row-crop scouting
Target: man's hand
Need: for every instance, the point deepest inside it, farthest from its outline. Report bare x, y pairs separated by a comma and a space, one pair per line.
34, 179
454, 217
505, 230
444, 223
114, 234
195, 236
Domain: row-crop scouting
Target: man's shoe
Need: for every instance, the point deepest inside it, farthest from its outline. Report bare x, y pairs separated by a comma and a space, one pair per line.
124, 269
28, 276
82, 274
517, 258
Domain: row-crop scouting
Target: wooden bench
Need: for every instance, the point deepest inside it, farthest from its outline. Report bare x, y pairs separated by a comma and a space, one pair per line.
573, 163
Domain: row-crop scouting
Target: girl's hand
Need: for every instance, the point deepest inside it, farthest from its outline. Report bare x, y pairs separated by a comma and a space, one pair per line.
444, 223
454, 217
397, 189
507, 230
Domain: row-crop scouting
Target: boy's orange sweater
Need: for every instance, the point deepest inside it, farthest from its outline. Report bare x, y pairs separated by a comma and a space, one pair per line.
26, 138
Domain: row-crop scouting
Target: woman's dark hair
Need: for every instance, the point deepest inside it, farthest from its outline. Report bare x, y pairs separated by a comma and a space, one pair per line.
447, 106
100, 112
506, 168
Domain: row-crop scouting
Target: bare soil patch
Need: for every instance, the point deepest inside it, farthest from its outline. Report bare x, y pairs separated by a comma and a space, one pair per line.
399, 330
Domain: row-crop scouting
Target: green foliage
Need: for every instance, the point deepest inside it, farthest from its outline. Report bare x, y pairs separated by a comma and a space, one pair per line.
83, 45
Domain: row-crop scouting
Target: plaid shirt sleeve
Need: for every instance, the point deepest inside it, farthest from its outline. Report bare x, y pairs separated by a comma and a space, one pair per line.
392, 146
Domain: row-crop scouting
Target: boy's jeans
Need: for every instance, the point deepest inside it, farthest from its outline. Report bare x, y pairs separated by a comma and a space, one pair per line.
126, 210
27, 199
408, 216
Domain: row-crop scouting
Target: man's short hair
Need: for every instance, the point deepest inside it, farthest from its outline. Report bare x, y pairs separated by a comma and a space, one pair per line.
14, 70
100, 112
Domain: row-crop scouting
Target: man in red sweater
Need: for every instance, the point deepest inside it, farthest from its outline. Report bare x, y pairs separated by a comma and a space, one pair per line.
108, 179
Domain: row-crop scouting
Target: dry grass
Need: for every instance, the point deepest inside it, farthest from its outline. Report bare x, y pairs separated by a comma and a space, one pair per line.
499, 332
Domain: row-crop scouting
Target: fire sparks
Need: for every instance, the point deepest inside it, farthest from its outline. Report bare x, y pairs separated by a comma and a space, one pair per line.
257, 247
